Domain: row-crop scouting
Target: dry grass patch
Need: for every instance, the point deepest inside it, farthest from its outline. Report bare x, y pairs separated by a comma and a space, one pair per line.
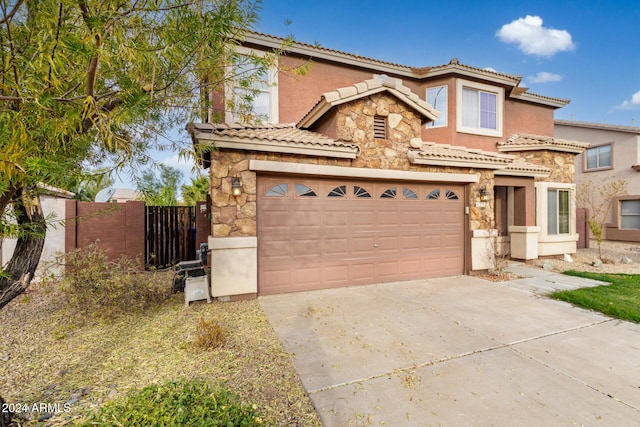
47, 358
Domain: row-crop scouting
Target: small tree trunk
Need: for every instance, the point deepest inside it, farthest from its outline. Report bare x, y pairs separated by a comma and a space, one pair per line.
23, 264
22, 267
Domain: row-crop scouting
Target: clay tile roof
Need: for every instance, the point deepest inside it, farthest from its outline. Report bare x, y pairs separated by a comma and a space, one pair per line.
363, 89
520, 167
446, 155
603, 126
528, 142
274, 137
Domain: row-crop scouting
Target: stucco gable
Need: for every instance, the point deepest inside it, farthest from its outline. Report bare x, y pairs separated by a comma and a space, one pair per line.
360, 90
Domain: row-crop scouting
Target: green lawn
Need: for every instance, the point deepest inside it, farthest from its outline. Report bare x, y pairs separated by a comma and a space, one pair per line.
621, 299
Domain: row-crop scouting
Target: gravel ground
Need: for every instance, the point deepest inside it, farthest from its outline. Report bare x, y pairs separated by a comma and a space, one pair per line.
45, 359
612, 254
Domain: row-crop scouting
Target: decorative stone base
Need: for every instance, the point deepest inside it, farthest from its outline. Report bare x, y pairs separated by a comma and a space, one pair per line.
234, 266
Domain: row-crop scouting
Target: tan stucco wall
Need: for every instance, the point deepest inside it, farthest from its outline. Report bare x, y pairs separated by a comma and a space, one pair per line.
53, 209
625, 153
298, 94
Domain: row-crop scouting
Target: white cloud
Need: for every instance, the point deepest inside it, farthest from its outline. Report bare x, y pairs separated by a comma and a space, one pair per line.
490, 69
534, 39
544, 77
630, 104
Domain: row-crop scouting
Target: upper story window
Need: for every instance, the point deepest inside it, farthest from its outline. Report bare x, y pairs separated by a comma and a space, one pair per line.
437, 97
479, 108
598, 157
254, 90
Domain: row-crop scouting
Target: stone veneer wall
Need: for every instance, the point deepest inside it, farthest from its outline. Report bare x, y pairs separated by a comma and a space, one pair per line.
236, 216
562, 164
355, 124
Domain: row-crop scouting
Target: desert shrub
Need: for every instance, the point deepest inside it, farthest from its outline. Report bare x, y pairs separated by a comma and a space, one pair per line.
97, 287
209, 334
178, 403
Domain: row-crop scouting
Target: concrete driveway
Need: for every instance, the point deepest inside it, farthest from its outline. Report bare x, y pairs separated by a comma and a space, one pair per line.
458, 351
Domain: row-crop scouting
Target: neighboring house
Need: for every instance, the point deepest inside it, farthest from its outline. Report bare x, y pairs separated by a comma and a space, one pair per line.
387, 173
614, 153
123, 195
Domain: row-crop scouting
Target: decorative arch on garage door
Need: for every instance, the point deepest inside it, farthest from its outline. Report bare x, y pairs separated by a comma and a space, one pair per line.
322, 233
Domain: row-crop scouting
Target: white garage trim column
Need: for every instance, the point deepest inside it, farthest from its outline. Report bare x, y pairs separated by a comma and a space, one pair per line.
483, 249
234, 266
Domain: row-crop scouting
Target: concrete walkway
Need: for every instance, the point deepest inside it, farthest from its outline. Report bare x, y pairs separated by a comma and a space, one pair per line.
543, 282
459, 351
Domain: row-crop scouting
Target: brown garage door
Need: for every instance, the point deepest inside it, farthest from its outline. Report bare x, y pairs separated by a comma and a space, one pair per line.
317, 233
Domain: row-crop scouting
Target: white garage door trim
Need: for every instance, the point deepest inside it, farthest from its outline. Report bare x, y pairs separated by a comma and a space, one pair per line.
349, 172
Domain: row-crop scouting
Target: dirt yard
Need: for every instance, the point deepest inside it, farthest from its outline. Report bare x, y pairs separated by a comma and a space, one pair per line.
612, 254
45, 358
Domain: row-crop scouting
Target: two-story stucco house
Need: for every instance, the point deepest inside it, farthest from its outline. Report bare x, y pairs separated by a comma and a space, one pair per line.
365, 171
614, 153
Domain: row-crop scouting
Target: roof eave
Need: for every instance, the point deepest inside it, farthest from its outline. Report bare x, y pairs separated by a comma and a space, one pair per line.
328, 54
538, 147
244, 144
539, 99
525, 173
415, 157
500, 79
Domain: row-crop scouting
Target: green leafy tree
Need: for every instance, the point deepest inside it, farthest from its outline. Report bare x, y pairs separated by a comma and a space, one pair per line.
160, 190
196, 191
91, 83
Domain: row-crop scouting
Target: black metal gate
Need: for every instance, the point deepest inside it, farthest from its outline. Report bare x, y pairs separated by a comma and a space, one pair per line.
170, 235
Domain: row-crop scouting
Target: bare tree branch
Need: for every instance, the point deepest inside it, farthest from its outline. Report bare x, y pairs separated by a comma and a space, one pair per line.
7, 17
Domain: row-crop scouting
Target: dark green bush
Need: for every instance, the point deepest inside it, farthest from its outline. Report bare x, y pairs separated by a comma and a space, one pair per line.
177, 403
98, 287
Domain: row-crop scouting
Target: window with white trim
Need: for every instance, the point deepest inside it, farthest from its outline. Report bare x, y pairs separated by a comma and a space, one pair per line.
254, 90
630, 214
437, 97
479, 108
558, 211
598, 157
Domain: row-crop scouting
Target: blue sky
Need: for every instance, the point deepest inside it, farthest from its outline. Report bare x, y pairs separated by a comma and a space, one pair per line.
585, 51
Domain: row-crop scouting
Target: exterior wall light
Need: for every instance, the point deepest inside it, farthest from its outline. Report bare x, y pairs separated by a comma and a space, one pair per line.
236, 186
484, 194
